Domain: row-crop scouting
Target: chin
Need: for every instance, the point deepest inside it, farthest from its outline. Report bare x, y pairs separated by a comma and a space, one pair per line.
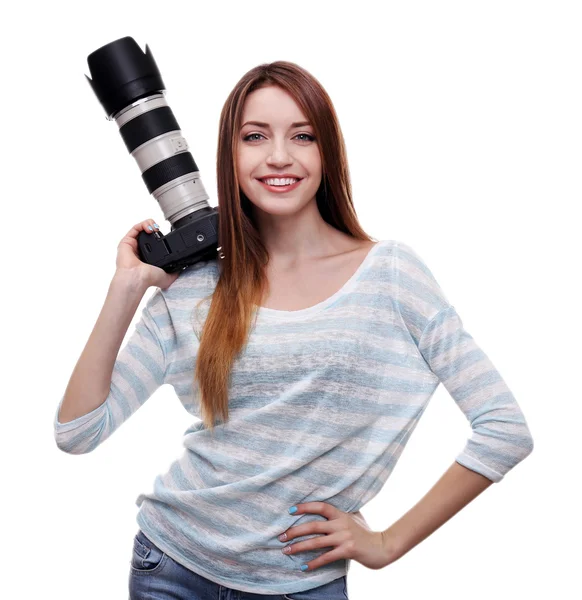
279, 205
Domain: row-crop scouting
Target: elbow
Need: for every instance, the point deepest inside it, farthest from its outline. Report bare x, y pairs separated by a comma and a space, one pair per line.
520, 450
528, 447
83, 434
526, 443
70, 447
81, 440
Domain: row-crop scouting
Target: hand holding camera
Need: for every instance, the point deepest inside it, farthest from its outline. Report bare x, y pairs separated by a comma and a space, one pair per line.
129, 262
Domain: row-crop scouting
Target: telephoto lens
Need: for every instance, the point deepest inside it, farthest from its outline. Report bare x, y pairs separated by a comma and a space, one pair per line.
129, 86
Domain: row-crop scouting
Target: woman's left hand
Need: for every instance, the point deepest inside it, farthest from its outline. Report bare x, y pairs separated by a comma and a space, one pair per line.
348, 533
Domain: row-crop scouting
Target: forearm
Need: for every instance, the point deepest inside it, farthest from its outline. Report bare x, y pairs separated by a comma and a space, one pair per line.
90, 381
454, 490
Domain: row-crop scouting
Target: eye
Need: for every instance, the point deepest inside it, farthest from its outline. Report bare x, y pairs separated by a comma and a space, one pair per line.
310, 137
246, 138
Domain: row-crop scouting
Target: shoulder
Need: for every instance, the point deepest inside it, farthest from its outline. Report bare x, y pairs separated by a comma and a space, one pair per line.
411, 262
195, 280
419, 295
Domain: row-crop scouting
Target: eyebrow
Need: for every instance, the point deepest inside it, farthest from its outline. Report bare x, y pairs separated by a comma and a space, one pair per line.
267, 126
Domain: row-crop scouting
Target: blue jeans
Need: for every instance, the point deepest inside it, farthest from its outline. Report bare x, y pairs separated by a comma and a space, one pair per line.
153, 574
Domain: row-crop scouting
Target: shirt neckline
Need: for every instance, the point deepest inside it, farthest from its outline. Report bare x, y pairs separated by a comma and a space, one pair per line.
274, 313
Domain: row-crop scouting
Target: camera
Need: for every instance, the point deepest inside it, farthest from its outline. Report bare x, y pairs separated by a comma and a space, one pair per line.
129, 86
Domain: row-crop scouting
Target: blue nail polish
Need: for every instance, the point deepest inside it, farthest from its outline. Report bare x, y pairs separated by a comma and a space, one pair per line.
304, 567
156, 226
292, 510
150, 228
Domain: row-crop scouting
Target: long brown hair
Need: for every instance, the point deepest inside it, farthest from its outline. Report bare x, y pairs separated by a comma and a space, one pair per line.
242, 281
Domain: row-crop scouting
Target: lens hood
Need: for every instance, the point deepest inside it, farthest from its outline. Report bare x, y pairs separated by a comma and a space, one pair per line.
121, 74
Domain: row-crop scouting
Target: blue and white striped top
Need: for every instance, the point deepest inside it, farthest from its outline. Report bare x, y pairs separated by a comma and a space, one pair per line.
322, 403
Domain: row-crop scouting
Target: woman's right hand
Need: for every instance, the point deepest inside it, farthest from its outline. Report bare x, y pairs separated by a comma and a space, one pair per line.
128, 260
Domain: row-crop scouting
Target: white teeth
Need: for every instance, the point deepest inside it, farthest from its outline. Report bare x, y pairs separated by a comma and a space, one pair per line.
279, 181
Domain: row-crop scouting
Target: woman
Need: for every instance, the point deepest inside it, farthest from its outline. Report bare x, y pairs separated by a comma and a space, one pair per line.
314, 349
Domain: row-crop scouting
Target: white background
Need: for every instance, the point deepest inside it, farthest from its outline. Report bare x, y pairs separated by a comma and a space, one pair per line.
463, 127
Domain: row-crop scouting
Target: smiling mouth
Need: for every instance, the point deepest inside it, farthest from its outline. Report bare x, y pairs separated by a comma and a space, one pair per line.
280, 188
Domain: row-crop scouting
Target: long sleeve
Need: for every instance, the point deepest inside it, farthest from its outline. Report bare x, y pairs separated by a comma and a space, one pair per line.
500, 436
139, 370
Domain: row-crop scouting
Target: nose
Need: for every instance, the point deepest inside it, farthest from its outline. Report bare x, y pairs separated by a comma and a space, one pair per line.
279, 155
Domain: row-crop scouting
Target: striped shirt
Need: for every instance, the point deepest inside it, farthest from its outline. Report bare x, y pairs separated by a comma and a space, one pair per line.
322, 402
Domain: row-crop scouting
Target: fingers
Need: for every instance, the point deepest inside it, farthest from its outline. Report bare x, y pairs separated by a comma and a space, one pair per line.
143, 225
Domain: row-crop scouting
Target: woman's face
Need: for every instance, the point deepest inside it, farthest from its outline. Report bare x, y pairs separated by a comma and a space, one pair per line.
280, 145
